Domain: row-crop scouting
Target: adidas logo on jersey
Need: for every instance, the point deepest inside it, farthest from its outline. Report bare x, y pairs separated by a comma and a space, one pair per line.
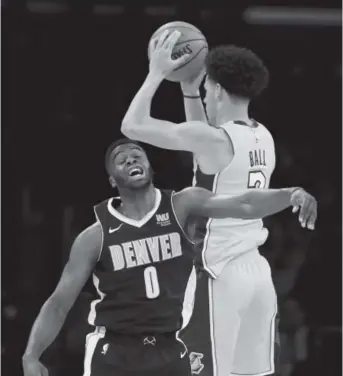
146, 251
163, 219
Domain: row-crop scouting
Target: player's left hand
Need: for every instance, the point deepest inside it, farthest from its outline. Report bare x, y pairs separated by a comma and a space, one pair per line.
307, 204
161, 61
192, 85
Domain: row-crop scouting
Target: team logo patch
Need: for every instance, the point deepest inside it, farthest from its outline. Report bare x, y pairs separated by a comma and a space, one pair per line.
196, 364
149, 341
104, 349
163, 219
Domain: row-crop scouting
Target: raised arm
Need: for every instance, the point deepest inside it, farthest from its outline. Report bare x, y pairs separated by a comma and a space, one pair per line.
83, 257
256, 203
194, 136
194, 108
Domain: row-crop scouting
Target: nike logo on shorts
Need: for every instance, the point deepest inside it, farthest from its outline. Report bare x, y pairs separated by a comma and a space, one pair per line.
111, 230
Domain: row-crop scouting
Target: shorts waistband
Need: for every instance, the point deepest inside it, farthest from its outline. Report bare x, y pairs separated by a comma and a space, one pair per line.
146, 338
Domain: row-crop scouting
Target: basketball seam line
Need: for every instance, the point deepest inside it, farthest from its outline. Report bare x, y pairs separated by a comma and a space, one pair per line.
190, 40
187, 62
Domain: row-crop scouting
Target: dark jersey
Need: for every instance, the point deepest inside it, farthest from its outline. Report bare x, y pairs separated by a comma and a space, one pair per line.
143, 269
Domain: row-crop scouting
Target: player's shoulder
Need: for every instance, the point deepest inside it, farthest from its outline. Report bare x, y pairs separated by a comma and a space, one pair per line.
90, 239
202, 132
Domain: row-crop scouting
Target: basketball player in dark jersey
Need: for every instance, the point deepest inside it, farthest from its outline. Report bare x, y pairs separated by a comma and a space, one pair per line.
141, 260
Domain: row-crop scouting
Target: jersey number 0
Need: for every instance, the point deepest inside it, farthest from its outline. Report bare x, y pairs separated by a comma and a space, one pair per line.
152, 286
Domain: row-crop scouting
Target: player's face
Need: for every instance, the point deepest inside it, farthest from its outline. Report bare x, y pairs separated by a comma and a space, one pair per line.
210, 100
130, 167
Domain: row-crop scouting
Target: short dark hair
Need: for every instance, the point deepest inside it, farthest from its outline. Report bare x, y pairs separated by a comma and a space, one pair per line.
114, 145
238, 70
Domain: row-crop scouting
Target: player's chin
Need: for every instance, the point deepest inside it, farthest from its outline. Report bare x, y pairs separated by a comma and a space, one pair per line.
139, 181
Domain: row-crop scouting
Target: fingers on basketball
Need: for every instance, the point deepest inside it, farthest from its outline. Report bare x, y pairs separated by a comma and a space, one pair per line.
162, 39
171, 40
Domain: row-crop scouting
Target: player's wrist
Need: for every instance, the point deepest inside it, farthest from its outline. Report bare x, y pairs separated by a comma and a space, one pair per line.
156, 76
30, 356
291, 191
191, 94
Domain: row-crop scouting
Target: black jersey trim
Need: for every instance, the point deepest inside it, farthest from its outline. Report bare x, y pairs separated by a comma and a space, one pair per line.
177, 220
102, 233
134, 222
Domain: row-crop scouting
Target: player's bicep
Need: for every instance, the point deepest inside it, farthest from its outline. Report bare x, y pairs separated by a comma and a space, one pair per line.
82, 259
193, 136
160, 133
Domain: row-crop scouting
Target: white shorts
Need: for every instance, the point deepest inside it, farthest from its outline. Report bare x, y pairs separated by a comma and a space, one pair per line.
232, 329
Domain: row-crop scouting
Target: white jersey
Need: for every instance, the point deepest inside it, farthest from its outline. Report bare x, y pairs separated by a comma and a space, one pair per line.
221, 240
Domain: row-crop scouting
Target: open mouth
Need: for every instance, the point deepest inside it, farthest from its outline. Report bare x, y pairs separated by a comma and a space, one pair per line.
136, 171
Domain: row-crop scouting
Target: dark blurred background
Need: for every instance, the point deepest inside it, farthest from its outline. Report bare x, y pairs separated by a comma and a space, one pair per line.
70, 69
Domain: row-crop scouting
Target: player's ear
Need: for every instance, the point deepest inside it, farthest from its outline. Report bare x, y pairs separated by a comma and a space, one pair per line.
112, 181
217, 91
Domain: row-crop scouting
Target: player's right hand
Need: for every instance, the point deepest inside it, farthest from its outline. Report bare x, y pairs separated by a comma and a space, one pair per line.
307, 204
33, 367
161, 61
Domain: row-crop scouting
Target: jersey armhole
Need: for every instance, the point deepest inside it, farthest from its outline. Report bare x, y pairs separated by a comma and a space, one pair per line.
102, 234
230, 139
177, 221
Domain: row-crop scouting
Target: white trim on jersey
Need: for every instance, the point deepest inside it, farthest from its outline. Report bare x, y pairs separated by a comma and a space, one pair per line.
102, 234
92, 312
211, 319
177, 220
92, 340
133, 222
189, 299
208, 230
188, 305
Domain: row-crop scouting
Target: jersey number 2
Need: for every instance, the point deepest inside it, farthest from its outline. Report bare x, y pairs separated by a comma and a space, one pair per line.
152, 286
256, 179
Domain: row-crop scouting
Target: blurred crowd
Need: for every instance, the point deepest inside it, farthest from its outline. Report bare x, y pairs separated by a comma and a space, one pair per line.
67, 89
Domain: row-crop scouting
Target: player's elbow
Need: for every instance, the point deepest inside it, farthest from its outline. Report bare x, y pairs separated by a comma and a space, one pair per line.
249, 212
129, 129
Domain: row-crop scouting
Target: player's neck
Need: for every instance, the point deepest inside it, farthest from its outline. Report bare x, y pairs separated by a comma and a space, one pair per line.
232, 112
136, 203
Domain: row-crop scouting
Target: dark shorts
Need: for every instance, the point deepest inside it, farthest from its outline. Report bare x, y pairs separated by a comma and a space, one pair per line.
109, 354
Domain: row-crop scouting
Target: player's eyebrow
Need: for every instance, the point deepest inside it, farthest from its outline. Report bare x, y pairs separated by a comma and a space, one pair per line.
121, 151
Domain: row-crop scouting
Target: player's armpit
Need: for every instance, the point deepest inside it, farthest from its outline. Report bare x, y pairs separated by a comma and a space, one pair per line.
83, 257
193, 136
254, 204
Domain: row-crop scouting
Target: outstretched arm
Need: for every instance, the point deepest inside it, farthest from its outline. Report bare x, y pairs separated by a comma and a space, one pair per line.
195, 136
256, 203
83, 257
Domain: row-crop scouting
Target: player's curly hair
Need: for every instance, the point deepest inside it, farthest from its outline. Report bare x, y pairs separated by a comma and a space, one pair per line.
238, 70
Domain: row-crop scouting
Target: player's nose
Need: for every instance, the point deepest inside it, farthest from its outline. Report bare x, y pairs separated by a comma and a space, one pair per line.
130, 160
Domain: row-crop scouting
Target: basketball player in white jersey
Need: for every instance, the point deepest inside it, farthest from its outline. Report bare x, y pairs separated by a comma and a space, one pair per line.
232, 328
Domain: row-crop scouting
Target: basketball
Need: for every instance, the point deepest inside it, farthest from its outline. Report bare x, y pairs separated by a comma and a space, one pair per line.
192, 41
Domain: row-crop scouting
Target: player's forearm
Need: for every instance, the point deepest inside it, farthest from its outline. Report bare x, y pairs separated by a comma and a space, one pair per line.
257, 203
194, 108
46, 328
140, 107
